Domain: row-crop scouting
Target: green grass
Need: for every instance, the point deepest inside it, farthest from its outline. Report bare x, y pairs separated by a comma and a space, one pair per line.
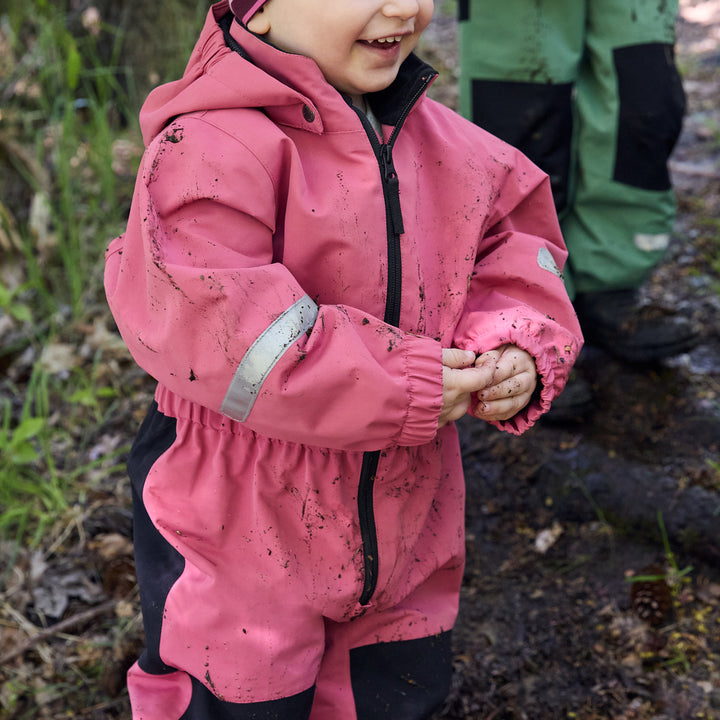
63, 116
61, 110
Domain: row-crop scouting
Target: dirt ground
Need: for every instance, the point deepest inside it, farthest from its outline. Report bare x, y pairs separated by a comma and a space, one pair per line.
559, 520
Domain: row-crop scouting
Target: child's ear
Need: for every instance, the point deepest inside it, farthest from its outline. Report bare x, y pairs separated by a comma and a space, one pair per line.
259, 23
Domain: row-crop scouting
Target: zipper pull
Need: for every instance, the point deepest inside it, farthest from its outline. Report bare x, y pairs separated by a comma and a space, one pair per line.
392, 183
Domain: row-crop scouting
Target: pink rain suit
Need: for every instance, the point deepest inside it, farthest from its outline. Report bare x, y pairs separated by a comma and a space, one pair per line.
289, 278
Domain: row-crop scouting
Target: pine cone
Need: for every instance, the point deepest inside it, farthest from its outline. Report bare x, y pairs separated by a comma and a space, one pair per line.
652, 599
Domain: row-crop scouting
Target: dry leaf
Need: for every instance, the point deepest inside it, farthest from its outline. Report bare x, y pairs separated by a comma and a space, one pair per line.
58, 358
545, 539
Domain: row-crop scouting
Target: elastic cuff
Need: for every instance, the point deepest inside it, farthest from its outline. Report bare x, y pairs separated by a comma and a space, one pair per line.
553, 364
423, 368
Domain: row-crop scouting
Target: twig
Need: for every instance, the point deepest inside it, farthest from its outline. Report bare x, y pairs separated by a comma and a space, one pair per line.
76, 522
58, 628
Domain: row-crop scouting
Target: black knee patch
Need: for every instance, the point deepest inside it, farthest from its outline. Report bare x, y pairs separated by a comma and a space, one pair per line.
652, 104
463, 10
206, 706
405, 679
536, 118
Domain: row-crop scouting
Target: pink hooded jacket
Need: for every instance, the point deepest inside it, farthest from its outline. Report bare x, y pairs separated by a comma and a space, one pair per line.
253, 276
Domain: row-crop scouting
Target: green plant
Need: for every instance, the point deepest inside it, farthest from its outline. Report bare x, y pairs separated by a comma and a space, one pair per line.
674, 575
32, 492
65, 103
88, 394
10, 304
678, 657
61, 112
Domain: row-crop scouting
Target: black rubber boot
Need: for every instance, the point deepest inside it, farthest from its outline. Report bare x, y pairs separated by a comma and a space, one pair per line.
619, 324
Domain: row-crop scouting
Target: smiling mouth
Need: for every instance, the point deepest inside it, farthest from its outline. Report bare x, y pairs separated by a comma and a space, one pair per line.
385, 42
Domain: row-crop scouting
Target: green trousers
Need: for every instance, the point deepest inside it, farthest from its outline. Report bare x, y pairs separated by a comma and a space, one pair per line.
589, 90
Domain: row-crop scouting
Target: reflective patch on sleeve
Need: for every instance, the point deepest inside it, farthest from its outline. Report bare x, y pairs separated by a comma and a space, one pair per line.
547, 262
652, 243
264, 354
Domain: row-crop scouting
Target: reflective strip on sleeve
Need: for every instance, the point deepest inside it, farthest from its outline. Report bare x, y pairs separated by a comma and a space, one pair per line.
547, 262
264, 354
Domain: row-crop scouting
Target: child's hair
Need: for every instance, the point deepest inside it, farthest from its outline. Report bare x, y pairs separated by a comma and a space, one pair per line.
245, 9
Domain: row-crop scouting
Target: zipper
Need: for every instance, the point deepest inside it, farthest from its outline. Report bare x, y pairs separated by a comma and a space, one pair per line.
394, 223
393, 214
368, 531
391, 194
395, 228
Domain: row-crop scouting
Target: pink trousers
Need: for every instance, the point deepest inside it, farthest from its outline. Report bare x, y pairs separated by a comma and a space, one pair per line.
251, 559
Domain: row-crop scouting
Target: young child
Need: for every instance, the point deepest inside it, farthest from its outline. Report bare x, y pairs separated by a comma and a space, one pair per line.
323, 269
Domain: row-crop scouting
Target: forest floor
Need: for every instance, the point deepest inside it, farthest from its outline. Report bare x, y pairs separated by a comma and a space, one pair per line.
561, 522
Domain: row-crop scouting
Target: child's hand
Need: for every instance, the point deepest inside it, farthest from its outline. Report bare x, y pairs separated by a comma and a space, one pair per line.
461, 379
513, 382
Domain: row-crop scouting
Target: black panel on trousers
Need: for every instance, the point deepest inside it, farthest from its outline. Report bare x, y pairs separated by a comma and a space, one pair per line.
536, 118
404, 679
206, 706
157, 564
463, 10
652, 104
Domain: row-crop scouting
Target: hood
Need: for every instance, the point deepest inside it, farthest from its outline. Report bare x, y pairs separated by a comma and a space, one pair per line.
210, 78
284, 85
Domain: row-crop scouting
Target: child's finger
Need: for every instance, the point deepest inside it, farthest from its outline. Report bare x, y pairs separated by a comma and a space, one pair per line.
509, 388
489, 358
457, 358
502, 409
504, 363
512, 362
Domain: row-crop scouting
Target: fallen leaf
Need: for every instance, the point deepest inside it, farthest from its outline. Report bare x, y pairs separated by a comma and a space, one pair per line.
546, 538
58, 358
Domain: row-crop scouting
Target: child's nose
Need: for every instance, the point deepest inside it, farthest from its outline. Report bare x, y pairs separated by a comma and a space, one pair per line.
405, 9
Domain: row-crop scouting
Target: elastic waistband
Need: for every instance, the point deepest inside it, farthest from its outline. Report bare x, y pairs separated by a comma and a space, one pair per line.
173, 405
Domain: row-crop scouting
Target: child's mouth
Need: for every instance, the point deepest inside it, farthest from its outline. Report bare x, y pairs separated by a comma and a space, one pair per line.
384, 43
